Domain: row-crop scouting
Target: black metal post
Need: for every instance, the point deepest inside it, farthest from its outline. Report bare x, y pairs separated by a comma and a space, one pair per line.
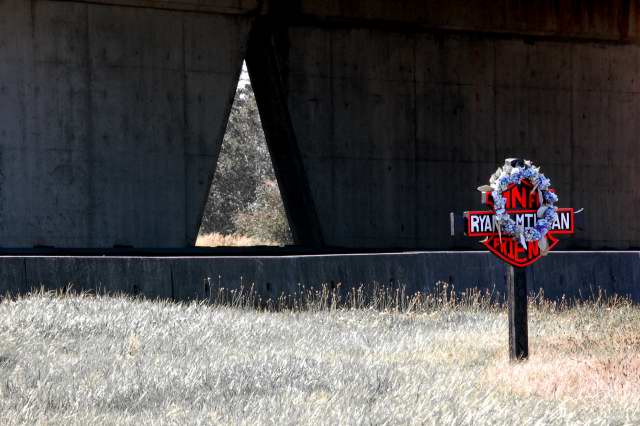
517, 300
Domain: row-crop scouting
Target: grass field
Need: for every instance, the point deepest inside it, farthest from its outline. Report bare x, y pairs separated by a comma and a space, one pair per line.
235, 240
94, 360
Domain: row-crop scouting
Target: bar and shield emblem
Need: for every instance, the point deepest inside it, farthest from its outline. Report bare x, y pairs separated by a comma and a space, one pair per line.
522, 204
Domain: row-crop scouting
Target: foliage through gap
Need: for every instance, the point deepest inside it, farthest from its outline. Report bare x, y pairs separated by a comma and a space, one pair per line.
244, 206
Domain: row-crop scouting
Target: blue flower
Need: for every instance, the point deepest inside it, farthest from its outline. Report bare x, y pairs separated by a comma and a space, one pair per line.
509, 227
550, 214
531, 234
543, 182
550, 197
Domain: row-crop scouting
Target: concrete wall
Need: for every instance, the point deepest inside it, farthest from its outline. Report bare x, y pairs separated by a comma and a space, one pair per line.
398, 124
572, 274
111, 119
382, 116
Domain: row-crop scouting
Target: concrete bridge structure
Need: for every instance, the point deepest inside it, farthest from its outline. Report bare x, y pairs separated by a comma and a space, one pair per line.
381, 117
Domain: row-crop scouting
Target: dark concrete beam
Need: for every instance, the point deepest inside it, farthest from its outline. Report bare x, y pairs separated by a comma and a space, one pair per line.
203, 6
265, 71
605, 20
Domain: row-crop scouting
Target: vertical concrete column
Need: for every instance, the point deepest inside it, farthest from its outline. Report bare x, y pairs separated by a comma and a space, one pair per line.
266, 71
111, 120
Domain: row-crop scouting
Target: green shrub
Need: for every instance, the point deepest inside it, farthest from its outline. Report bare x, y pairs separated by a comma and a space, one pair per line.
244, 198
265, 218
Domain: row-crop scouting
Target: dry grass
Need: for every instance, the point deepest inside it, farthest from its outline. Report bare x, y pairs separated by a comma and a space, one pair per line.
589, 353
235, 240
435, 359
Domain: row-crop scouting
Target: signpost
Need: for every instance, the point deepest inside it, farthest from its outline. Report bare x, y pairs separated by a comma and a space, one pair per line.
521, 227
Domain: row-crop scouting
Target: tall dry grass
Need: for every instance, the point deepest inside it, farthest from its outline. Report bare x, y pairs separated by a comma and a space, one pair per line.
380, 357
216, 239
589, 352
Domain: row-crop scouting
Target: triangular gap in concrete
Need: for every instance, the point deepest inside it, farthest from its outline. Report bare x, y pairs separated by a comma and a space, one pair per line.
244, 206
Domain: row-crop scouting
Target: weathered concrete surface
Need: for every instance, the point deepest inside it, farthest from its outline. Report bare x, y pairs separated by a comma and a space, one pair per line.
385, 115
149, 276
206, 6
111, 119
597, 19
573, 274
397, 125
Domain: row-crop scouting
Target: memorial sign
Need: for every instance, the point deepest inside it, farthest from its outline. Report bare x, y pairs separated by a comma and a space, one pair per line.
525, 223
522, 226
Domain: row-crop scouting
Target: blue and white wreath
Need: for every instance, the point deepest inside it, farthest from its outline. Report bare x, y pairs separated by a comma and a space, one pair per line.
513, 171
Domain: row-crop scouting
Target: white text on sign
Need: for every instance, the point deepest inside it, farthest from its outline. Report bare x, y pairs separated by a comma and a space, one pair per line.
483, 223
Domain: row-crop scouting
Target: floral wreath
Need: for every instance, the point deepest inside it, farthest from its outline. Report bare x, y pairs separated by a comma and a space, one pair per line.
513, 171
